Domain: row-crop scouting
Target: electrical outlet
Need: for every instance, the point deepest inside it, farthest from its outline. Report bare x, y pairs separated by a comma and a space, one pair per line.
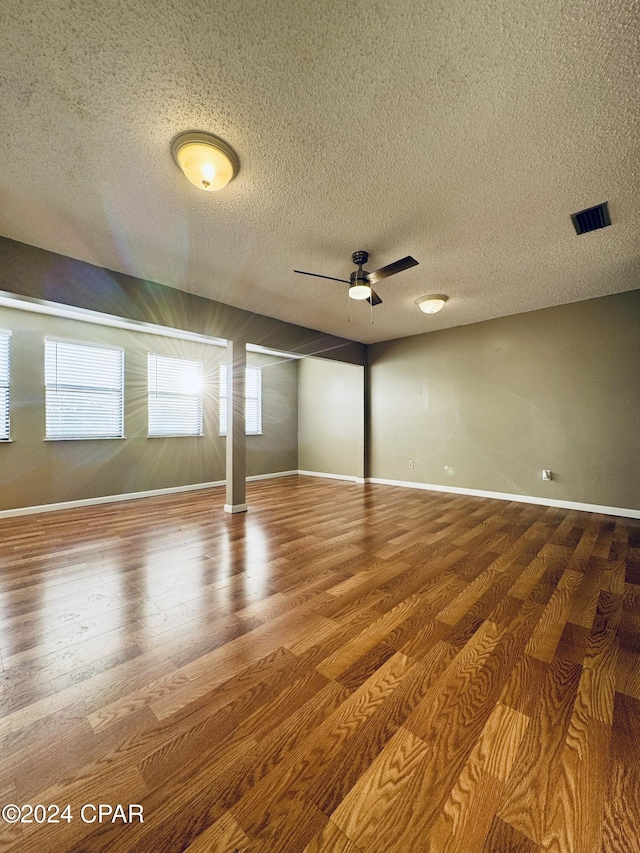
411, 463
546, 474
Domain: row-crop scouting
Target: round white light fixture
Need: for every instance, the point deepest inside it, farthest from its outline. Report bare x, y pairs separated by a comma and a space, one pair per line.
208, 162
359, 291
359, 287
431, 304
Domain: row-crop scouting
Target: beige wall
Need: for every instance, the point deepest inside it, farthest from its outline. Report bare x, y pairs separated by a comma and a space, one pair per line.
277, 448
488, 406
330, 417
34, 472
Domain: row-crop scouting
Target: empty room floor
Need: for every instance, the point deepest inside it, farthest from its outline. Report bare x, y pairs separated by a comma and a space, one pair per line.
345, 668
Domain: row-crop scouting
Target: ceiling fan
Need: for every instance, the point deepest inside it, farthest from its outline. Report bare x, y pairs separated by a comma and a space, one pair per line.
360, 280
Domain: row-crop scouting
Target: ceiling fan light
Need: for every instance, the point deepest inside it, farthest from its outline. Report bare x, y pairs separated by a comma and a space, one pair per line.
208, 162
360, 291
431, 304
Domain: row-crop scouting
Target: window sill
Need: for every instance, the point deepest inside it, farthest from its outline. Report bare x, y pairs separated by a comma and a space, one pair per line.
177, 435
88, 438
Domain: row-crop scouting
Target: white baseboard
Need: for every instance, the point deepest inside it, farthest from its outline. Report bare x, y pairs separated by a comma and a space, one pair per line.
107, 499
431, 487
130, 496
330, 476
274, 476
233, 508
503, 496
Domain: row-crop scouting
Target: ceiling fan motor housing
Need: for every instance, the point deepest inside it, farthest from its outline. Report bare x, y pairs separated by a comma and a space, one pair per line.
359, 277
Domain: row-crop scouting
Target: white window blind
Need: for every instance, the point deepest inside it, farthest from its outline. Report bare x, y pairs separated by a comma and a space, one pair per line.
253, 404
175, 396
84, 390
5, 339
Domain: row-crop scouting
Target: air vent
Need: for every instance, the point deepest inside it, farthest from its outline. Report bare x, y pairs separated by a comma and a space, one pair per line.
592, 218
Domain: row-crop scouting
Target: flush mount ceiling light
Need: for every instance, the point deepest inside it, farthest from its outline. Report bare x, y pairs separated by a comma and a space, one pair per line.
208, 162
431, 304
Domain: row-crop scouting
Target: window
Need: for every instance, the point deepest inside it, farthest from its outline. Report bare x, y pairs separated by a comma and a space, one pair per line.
253, 405
84, 390
5, 338
175, 396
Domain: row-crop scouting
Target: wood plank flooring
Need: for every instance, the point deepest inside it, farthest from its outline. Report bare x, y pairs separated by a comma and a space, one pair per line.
345, 669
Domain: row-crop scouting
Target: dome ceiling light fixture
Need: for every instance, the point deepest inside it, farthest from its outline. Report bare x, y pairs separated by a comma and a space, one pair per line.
208, 162
431, 304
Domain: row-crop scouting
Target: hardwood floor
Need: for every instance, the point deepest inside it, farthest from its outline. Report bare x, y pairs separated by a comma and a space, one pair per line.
345, 669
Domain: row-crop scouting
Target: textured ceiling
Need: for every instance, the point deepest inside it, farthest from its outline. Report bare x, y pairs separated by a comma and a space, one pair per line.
462, 132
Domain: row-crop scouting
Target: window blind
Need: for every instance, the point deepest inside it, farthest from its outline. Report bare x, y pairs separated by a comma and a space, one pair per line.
253, 400
84, 390
5, 339
175, 396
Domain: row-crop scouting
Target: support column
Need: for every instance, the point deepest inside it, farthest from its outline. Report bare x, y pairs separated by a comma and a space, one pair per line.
236, 435
366, 404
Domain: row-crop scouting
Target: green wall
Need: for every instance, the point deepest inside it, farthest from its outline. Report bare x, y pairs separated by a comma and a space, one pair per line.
488, 406
330, 417
35, 472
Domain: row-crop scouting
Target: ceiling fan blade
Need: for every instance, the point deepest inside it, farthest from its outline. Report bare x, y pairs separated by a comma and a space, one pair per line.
330, 277
391, 269
374, 299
